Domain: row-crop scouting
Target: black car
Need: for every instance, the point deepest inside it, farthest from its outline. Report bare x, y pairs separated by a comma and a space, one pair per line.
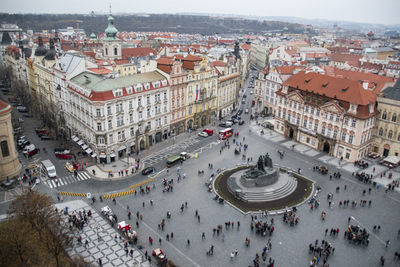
240, 111
149, 170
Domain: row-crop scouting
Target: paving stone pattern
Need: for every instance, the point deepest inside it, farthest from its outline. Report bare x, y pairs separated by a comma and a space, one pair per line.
110, 251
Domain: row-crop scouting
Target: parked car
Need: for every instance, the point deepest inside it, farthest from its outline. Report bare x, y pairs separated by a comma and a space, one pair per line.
22, 144
209, 131
246, 111
9, 183
251, 92
17, 130
203, 134
241, 122
240, 111
45, 137
63, 156
26, 115
30, 150
22, 109
149, 170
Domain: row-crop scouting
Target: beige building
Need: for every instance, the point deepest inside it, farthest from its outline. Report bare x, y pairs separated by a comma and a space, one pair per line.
329, 114
9, 163
386, 141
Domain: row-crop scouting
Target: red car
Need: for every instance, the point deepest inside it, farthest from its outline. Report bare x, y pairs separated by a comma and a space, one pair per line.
208, 131
41, 131
63, 156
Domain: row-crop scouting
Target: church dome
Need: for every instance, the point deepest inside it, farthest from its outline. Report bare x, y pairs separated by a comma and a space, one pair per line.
40, 50
51, 53
111, 31
93, 36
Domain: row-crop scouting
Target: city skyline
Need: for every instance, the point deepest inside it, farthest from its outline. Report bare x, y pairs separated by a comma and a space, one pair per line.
341, 10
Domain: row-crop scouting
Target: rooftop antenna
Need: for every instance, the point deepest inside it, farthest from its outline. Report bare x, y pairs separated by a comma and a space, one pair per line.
110, 8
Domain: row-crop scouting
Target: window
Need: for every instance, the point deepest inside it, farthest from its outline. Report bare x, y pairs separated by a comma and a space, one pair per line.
323, 130
110, 139
390, 135
139, 101
140, 115
306, 108
131, 117
99, 126
132, 131
398, 138
108, 110
305, 124
109, 124
351, 139
318, 112
288, 117
312, 110
190, 110
353, 123
115, 51
315, 127
310, 125
148, 113
326, 115
346, 121
148, 99
347, 155
337, 118
394, 117
344, 137
165, 120
121, 135
5, 152
329, 132
380, 132
130, 104
335, 134
298, 121
98, 113
120, 121
101, 140
384, 115
331, 116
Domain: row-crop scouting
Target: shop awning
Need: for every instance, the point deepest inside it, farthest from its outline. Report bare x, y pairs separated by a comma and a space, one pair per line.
84, 147
89, 150
103, 156
94, 155
121, 148
133, 143
80, 142
75, 138
112, 155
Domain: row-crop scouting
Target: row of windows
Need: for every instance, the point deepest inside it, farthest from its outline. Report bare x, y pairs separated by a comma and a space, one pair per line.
385, 116
389, 135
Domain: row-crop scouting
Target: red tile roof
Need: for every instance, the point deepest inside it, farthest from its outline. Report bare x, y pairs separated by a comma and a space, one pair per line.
121, 61
137, 52
380, 82
218, 63
351, 59
346, 90
100, 70
245, 46
188, 57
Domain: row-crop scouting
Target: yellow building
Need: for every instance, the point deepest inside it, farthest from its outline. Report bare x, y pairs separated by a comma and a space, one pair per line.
202, 82
386, 140
9, 163
124, 67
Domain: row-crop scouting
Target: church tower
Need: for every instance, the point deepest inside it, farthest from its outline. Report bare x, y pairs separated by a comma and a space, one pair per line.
111, 44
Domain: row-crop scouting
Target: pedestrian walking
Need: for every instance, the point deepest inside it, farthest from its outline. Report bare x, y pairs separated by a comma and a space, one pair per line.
203, 236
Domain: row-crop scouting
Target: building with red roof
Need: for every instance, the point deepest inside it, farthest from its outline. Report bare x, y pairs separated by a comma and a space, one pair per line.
331, 114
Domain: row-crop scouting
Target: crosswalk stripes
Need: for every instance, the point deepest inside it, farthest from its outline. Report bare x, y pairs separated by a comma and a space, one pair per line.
61, 181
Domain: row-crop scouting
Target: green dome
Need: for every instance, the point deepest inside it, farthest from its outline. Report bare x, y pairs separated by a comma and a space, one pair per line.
111, 31
93, 36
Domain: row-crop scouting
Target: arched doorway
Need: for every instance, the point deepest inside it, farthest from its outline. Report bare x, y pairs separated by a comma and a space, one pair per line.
291, 133
142, 144
386, 149
203, 120
327, 147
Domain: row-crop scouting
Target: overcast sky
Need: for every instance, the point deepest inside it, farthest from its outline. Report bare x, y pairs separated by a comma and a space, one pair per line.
372, 11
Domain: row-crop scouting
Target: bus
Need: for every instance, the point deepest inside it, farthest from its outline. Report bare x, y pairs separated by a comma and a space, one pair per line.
224, 134
173, 160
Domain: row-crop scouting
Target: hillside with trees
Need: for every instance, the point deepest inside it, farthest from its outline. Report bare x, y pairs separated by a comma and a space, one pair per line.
153, 22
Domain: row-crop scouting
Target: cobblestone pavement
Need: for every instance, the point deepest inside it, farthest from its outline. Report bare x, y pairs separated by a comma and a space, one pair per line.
100, 236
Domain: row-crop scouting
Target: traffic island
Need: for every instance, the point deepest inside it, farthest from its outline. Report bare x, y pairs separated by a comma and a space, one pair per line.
240, 193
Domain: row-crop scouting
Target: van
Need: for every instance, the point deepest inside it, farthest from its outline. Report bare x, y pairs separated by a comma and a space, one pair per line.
49, 168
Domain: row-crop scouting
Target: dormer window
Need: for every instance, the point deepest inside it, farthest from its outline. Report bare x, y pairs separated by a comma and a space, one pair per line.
117, 92
147, 86
129, 90
164, 82
138, 87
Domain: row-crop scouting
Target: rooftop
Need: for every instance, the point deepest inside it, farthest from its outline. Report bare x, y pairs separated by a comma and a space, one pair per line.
99, 83
392, 92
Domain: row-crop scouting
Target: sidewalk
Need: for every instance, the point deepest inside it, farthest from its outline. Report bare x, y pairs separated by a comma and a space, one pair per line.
102, 171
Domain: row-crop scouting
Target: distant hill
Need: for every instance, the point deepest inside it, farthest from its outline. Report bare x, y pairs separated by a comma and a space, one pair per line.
151, 22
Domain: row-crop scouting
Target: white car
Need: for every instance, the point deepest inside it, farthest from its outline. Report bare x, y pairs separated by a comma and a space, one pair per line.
246, 111
251, 92
203, 134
